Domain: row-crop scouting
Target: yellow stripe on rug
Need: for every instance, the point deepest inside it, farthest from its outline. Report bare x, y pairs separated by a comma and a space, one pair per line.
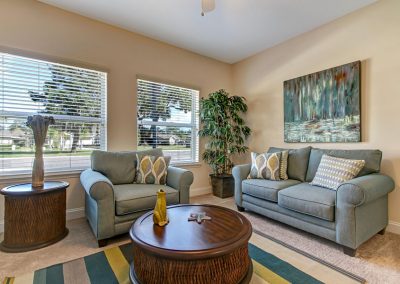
256, 279
118, 264
267, 275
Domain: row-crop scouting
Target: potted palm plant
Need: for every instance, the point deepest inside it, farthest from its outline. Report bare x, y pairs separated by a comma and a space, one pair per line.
226, 131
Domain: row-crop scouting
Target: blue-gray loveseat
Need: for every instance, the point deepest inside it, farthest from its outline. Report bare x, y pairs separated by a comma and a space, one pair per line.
349, 216
112, 199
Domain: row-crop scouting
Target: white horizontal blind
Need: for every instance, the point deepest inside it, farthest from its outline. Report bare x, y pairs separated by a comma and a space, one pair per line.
75, 97
168, 118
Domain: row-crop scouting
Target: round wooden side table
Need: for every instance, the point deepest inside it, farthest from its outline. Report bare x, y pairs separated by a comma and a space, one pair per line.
34, 218
184, 252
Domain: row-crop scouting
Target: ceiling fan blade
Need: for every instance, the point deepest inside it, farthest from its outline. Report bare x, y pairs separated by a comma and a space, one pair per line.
207, 5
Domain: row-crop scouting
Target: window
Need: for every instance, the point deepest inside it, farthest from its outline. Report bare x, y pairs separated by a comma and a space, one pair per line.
168, 118
75, 97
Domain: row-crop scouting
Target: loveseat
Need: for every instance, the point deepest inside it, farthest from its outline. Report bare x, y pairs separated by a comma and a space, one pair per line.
349, 216
112, 199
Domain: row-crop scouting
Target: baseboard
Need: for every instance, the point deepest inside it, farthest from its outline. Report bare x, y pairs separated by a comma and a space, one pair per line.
393, 227
75, 213
200, 191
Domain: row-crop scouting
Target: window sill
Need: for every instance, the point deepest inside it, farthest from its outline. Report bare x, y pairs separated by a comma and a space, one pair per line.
187, 165
26, 177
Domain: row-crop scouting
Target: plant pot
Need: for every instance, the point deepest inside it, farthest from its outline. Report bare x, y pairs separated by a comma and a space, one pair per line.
222, 185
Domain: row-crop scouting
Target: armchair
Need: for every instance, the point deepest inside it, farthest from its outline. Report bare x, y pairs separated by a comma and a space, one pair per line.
111, 207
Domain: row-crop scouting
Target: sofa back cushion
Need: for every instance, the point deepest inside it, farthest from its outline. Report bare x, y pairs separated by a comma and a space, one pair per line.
372, 160
297, 161
118, 167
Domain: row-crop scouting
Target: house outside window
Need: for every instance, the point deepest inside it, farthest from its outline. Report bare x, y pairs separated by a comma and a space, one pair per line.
168, 118
75, 97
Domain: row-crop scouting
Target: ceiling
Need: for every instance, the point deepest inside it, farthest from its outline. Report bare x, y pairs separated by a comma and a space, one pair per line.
236, 29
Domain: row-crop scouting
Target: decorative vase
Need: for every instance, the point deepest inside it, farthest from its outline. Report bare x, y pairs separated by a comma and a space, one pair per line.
39, 125
160, 217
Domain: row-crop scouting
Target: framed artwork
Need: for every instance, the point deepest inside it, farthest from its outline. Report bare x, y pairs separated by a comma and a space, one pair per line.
324, 106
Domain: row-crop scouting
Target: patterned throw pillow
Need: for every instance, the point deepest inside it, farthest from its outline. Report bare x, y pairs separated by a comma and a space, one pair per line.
265, 166
284, 165
333, 171
151, 169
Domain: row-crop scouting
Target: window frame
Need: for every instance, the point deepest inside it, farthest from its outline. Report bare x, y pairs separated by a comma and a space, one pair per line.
102, 120
194, 126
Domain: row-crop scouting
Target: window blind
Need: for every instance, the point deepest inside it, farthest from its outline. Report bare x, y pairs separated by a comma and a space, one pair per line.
75, 97
168, 118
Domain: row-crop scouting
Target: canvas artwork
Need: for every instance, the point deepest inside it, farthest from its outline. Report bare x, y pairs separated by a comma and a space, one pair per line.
324, 106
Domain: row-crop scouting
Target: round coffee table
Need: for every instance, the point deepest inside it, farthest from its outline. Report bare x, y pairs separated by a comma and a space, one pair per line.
214, 251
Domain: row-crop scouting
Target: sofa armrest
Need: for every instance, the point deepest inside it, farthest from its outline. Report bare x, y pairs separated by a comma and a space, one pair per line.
99, 203
97, 185
240, 173
364, 189
362, 208
181, 180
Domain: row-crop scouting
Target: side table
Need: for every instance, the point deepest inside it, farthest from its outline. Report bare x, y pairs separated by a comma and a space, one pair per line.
34, 218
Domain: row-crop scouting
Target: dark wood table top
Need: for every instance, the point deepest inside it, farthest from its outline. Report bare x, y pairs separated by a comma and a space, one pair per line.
27, 189
226, 231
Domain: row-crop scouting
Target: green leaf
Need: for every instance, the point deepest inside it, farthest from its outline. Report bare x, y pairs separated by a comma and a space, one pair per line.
222, 124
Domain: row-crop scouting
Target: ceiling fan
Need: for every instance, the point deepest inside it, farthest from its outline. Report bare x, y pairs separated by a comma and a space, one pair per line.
207, 6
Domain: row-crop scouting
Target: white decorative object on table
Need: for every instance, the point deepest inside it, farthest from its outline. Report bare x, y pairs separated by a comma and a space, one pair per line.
199, 217
39, 125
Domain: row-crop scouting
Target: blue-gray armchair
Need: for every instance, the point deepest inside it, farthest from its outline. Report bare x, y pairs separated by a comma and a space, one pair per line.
113, 201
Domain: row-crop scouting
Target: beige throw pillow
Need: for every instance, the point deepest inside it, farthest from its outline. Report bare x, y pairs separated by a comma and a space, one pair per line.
265, 166
333, 171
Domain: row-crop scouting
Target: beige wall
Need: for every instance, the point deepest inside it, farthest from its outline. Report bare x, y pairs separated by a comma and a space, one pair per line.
32, 28
371, 35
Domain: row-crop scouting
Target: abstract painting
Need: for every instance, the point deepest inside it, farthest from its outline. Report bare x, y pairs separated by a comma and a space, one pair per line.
324, 106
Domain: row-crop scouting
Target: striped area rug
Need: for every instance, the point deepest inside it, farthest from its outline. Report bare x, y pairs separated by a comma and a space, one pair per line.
272, 263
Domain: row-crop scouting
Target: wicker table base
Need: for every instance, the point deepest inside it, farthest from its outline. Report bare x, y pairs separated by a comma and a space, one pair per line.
246, 279
34, 218
183, 252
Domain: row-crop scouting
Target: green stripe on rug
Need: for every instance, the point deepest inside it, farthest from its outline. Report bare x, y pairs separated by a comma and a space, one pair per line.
40, 276
127, 252
280, 267
99, 269
55, 274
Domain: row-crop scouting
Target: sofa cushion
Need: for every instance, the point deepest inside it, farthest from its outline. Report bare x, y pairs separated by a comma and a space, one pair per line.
118, 167
266, 189
131, 198
308, 199
372, 160
297, 161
